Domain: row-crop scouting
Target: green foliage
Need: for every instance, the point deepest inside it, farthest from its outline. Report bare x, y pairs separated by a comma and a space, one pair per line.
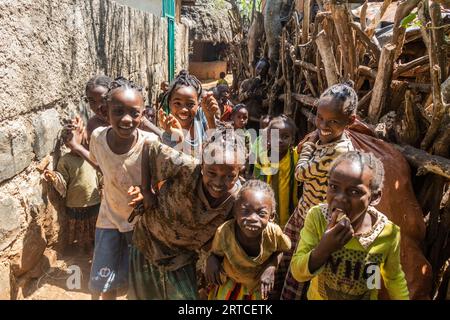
411, 20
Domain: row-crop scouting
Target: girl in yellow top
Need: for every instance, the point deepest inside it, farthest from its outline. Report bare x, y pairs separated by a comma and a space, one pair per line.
281, 175
347, 246
245, 250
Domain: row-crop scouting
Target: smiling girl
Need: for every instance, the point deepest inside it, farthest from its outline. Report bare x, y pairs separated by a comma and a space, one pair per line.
245, 247
336, 111
194, 119
346, 243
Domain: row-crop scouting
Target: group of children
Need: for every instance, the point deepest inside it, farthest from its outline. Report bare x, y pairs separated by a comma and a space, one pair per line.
302, 227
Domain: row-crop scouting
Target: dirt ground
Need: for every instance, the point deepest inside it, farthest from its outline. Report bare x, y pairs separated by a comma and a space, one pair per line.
52, 285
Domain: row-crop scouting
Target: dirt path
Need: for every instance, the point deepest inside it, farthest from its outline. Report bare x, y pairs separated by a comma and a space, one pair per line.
53, 284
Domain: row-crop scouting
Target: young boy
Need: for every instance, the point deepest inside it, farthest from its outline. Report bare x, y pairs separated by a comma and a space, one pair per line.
117, 151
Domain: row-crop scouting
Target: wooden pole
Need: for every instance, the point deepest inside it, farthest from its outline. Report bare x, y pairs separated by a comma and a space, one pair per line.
382, 82
326, 52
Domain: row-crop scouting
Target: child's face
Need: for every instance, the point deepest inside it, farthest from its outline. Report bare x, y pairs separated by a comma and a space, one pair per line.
331, 120
150, 114
240, 118
164, 86
125, 112
95, 99
285, 134
219, 179
184, 105
252, 212
349, 189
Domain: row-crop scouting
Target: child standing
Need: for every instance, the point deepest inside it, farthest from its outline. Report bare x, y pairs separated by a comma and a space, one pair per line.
78, 183
336, 111
347, 242
239, 120
96, 88
280, 175
183, 97
245, 246
222, 95
117, 152
222, 80
182, 219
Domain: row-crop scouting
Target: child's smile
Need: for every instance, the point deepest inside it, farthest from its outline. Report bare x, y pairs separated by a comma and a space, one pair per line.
184, 105
125, 112
252, 212
331, 120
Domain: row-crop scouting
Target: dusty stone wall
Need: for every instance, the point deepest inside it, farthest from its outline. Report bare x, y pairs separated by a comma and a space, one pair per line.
49, 50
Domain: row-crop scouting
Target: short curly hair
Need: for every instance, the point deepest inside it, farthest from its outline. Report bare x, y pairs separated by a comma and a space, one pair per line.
259, 185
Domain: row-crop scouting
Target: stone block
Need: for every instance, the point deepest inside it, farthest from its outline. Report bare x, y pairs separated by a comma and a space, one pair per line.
16, 150
10, 221
46, 127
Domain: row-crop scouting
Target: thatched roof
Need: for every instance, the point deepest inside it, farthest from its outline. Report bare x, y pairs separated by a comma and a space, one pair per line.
208, 21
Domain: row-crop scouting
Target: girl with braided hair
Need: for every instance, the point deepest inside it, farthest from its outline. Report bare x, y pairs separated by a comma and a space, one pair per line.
336, 111
187, 119
116, 150
180, 218
346, 245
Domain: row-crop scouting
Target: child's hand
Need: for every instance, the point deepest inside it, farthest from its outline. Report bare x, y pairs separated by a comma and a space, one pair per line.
137, 197
313, 136
75, 133
171, 125
213, 270
49, 176
210, 106
146, 197
337, 235
267, 282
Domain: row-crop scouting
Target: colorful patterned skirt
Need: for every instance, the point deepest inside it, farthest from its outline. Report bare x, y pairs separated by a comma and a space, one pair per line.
232, 290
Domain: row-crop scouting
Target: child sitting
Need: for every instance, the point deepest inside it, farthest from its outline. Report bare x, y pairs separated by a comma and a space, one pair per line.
183, 217
347, 245
336, 111
245, 246
280, 175
78, 183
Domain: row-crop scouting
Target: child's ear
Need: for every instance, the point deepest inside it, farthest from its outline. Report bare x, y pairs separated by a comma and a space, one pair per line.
272, 216
375, 198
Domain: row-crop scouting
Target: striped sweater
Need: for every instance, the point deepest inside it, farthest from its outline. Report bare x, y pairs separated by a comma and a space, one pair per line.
312, 169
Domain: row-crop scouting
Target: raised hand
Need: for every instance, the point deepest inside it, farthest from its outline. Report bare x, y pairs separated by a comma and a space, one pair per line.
171, 125
210, 106
75, 133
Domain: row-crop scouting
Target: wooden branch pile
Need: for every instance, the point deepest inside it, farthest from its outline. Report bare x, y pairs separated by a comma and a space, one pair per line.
401, 75
404, 77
